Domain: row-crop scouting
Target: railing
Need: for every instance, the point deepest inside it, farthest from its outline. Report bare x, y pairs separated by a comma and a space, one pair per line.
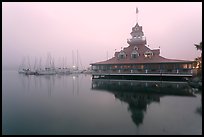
188, 71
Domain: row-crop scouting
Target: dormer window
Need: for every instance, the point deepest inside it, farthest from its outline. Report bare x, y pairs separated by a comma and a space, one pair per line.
122, 55
134, 54
135, 48
136, 28
148, 54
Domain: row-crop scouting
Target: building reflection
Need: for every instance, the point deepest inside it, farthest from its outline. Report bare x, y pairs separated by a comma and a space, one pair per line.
139, 94
199, 109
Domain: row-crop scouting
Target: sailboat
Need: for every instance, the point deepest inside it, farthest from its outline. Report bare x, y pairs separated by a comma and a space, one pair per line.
25, 69
49, 69
75, 69
63, 69
22, 69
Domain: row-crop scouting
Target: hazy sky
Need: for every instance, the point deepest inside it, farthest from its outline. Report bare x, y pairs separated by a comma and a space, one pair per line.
95, 29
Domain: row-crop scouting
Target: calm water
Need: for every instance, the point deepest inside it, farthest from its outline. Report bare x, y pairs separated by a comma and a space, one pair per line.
74, 104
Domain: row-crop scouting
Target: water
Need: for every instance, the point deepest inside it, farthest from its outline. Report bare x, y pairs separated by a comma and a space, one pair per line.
76, 104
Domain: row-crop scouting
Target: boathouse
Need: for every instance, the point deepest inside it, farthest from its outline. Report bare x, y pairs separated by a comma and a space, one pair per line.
138, 61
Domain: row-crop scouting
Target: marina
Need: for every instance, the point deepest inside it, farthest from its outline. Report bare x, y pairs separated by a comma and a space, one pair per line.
50, 68
96, 68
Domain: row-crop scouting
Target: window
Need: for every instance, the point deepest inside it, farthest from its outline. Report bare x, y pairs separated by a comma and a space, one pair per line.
136, 28
134, 54
185, 66
114, 66
122, 55
135, 48
95, 67
148, 54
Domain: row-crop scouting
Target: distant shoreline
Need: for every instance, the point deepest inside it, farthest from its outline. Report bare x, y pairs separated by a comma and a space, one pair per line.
9, 68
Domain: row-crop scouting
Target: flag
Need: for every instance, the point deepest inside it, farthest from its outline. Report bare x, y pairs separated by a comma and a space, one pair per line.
137, 10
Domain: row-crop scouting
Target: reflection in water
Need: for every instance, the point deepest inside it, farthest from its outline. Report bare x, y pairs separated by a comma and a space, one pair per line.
60, 104
199, 109
38, 81
50, 83
25, 81
47, 82
75, 83
139, 94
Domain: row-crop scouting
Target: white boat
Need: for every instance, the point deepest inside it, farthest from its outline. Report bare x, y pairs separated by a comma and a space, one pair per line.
49, 70
63, 71
21, 71
75, 69
87, 71
29, 72
25, 69
46, 71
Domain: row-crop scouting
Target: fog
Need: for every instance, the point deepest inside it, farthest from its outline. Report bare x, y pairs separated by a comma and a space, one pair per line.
95, 30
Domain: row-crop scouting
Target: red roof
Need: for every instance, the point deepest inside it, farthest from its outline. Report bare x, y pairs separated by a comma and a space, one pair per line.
156, 58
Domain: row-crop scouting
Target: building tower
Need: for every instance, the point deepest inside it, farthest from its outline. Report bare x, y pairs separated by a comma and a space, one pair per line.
137, 34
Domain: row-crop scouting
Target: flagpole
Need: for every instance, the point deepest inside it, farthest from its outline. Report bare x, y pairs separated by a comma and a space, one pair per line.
137, 15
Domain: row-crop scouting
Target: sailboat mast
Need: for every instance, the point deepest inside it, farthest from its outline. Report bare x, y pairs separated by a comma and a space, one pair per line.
40, 64
28, 62
77, 60
73, 62
35, 64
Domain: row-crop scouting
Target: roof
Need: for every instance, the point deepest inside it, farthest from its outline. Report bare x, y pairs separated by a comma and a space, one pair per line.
156, 58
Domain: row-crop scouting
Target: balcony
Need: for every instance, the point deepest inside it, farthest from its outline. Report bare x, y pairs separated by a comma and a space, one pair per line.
136, 40
143, 72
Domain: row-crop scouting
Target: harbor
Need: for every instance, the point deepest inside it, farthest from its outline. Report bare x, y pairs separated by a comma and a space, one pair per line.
50, 68
101, 68
78, 104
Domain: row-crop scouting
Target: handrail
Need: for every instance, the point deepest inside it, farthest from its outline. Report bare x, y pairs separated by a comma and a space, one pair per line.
141, 72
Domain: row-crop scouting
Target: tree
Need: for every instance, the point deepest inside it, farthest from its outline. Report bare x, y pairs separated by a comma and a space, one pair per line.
199, 59
199, 46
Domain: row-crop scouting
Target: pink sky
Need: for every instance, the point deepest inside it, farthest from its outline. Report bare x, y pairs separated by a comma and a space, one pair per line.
95, 29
